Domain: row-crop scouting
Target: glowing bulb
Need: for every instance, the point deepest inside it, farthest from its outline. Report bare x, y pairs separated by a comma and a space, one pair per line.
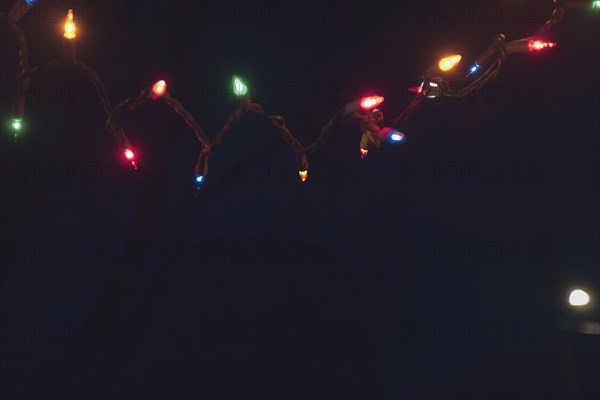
17, 124
30, 2
159, 88
129, 155
536, 45
596, 4
370, 102
579, 298
447, 63
363, 152
70, 30
474, 68
239, 87
303, 175
199, 181
396, 137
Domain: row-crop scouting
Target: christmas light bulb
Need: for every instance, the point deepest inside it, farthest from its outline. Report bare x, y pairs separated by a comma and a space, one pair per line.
199, 181
396, 137
596, 4
18, 11
527, 45
391, 134
536, 45
159, 88
17, 125
447, 63
70, 29
302, 166
474, 68
239, 87
130, 156
367, 103
363, 152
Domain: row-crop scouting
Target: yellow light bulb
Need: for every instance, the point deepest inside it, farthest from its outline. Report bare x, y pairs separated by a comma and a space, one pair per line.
303, 175
447, 63
70, 30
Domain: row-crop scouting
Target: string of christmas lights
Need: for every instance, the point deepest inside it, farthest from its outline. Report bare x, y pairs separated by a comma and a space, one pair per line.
442, 79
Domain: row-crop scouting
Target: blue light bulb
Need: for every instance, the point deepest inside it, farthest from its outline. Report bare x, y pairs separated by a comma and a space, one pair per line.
474, 68
199, 181
396, 137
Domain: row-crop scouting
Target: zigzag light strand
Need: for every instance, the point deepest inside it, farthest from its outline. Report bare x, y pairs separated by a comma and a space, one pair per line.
443, 79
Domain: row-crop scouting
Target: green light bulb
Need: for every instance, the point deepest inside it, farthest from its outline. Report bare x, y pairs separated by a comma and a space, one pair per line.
239, 87
596, 4
17, 124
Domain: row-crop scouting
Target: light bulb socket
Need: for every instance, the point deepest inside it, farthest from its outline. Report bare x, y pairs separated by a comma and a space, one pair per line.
119, 135
201, 168
18, 11
69, 50
517, 46
365, 140
302, 162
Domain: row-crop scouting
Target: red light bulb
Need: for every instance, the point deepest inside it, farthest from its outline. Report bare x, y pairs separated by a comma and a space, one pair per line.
367, 103
536, 45
131, 157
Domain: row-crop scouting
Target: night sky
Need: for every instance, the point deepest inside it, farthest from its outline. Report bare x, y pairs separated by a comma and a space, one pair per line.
436, 268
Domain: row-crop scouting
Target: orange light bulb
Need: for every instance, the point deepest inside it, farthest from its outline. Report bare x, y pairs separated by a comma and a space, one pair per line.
159, 88
303, 175
363, 152
70, 29
447, 63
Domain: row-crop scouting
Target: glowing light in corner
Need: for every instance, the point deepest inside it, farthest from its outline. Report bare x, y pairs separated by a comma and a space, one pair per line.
579, 298
70, 29
596, 4
447, 63
239, 87
367, 103
159, 88
363, 152
536, 45
303, 175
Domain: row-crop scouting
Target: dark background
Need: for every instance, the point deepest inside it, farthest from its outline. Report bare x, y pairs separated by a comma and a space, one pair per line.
437, 268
